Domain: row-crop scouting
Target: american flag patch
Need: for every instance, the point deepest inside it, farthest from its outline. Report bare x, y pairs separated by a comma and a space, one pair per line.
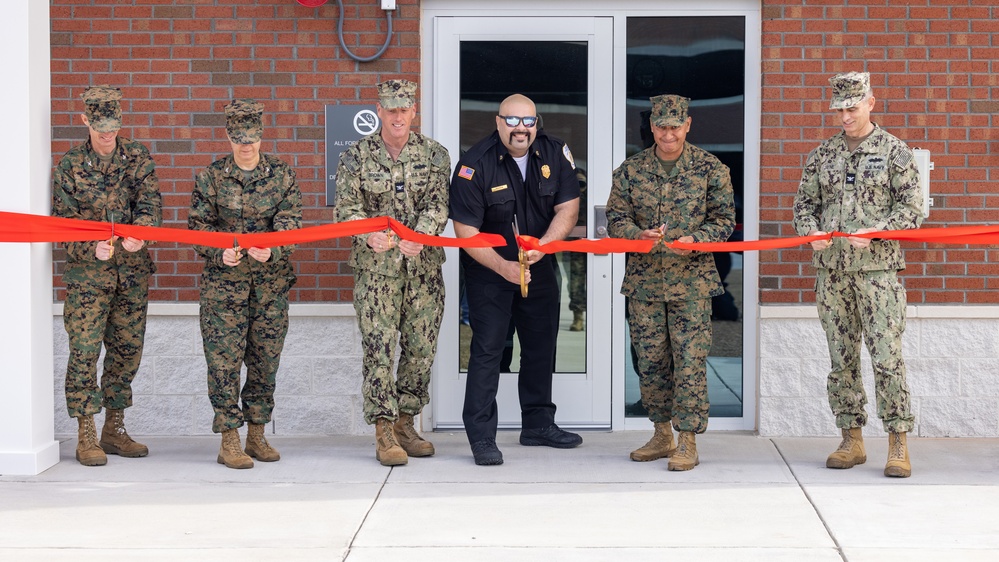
466, 172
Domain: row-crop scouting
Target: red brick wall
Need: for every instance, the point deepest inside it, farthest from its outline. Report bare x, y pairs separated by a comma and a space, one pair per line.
178, 62
934, 65
934, 68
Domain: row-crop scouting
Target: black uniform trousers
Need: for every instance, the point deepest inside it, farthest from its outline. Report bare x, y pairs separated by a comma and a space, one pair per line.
491, 305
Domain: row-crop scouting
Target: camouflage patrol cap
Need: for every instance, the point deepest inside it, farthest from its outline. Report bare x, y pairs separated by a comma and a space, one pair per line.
243, 121
849, 89
669, 110
103, 109
394, 94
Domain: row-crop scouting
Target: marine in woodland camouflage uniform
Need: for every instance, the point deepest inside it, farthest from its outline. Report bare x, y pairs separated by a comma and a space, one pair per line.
669, 291
861, 180
244, 301
107, 178
398, 286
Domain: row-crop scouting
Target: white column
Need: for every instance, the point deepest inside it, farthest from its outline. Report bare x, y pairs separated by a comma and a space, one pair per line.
27, 446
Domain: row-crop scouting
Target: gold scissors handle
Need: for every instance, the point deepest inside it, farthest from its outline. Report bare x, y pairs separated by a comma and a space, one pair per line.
111, 240
522, 258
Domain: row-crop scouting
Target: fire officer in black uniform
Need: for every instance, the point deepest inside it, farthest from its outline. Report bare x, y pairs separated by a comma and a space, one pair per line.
517, 172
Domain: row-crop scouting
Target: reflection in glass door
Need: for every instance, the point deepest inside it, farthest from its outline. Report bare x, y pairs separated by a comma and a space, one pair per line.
702, 58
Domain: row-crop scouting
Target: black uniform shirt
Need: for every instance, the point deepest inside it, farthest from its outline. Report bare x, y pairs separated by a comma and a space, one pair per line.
487, 189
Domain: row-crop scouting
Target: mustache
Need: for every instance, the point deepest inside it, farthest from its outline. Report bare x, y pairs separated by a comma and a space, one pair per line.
527, 134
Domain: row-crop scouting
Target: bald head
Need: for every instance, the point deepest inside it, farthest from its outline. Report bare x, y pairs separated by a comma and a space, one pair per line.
519, 101
518, 138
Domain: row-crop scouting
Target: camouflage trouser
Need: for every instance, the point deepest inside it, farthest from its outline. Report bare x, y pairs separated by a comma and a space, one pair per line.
242, 321
577, 281
408, 309
672, 340
871, 304
115, 316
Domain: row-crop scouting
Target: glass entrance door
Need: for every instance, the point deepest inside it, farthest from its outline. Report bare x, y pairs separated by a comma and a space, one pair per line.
591, 69
702, 57
562, 64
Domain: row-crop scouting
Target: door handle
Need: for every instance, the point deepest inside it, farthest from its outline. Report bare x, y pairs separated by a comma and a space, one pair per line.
600, 222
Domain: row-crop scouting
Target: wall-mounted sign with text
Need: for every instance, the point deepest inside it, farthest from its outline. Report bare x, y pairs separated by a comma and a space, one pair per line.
345, 125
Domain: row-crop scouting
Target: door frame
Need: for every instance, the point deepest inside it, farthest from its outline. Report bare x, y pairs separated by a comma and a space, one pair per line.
751, 10
585, 398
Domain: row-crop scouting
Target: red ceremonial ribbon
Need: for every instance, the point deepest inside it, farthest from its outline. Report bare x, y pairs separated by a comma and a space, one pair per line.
21, 227
980, 234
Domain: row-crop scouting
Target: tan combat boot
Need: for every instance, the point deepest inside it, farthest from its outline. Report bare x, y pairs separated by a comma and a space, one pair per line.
409, 439
387, 449
661, 444
115, 440
685, 456
851, 450
898, 464
577, 321
231, 452
257, 445
88, 452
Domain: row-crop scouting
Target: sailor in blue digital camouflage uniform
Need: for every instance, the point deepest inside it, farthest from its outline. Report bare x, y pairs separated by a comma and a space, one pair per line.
108, 178
244, 291
861, 180
398, 285
670, 191
518, 172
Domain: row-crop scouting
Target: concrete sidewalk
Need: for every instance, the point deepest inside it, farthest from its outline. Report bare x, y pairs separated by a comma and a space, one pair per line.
751, 498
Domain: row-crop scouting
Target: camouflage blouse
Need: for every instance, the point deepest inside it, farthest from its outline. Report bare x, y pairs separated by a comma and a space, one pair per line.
694, 199
123, 188
875, 186
413, 190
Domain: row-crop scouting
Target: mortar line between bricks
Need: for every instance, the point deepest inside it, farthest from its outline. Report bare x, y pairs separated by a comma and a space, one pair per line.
815, 508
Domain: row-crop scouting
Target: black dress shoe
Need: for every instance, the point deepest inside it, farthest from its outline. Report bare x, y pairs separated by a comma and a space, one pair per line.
551, 436
486, 453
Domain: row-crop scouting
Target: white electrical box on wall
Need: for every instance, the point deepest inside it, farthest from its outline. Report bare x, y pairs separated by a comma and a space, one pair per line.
925, 165
388, 4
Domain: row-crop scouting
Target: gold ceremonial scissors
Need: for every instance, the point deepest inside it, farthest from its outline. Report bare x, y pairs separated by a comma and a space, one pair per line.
111, 240
522, 258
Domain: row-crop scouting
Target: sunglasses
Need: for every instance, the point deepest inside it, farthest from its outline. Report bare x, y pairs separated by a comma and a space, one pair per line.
513, 120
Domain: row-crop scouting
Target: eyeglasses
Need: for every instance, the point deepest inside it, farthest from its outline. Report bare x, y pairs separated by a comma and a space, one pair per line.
513, 120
